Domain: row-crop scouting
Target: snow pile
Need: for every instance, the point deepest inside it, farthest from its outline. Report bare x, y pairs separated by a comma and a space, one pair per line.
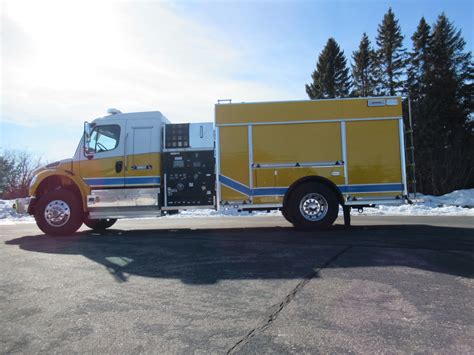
461, 198
456, 203
8, 214
418, 209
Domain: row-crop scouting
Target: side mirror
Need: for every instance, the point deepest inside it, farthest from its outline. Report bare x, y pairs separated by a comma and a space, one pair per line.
88, 128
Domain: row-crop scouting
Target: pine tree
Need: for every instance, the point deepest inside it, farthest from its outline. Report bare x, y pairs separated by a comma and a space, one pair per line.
363, 69
449, 105
419, 62
443, 101
331, 77
419, 65
390, 56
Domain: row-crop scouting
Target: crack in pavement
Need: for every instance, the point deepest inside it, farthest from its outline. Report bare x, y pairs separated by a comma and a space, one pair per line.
273, 312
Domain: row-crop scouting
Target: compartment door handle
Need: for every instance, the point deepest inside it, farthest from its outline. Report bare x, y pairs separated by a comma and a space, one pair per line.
142, 167
118, 166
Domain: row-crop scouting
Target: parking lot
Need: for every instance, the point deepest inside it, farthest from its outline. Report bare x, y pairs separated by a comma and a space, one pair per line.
240, 285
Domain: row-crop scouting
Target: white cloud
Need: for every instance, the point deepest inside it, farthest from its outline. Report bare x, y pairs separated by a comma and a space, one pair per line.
69, 61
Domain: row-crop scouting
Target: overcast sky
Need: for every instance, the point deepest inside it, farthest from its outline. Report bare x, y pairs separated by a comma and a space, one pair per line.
68, 61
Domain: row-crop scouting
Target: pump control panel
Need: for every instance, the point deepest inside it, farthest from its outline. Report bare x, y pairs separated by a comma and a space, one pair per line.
189, 178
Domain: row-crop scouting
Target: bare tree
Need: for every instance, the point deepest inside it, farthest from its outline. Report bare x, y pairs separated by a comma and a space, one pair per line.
16, 172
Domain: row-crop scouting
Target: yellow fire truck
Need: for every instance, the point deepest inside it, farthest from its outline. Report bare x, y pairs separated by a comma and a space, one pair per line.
305, 158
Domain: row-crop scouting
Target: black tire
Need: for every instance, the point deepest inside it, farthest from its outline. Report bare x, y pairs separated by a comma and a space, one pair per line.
99, 224
286, 214
55, 202
318, 200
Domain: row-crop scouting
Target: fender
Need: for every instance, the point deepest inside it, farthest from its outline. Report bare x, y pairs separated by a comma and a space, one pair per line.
315, 178
67, 176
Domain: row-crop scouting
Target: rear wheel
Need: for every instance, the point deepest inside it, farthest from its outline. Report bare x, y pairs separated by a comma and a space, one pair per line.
59, 213
286, 214
312, 206
99, 224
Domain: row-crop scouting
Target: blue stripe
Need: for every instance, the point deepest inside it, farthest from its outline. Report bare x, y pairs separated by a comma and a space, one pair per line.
279, 191
234, 185
372, 188
121, 181
269, 191
105, 182
142, 180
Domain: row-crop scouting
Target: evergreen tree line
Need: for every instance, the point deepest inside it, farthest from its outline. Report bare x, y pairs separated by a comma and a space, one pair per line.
436, 74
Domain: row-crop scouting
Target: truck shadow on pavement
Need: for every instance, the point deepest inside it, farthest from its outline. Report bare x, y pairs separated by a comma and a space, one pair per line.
207, 256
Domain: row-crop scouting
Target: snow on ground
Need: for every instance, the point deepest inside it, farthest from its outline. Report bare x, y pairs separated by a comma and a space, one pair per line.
8, 215
456, 203
462, 198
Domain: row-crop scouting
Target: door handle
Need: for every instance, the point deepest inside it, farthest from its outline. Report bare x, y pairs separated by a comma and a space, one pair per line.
142, 167
118, 166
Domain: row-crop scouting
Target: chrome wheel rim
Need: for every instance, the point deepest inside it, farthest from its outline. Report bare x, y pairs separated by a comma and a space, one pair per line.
313, 207
57, 213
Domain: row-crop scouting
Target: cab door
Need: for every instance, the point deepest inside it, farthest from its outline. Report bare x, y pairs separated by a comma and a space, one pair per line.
142, 153
102, 164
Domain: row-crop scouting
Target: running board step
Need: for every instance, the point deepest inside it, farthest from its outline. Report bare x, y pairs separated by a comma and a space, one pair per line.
134, 212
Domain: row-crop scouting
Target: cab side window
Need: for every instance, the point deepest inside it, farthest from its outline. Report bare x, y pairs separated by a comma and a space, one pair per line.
104, 138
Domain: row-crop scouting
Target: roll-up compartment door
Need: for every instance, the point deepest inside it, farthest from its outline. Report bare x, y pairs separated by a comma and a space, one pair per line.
279, 146
304, 142
373, 152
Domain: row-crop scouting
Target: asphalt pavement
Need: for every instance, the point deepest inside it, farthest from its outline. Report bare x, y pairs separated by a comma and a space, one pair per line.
240, 285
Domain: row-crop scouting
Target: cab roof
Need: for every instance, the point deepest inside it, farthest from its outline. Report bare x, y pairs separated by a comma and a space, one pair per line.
134, 115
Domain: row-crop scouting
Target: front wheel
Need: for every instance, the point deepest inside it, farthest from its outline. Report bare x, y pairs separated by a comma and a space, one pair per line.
59, 213
313, 206
99, 224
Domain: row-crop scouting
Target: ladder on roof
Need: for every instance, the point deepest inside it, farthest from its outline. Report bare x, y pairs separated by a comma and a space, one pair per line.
410, 154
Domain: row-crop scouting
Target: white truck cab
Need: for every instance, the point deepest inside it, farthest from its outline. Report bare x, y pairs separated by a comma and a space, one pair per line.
117, 172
